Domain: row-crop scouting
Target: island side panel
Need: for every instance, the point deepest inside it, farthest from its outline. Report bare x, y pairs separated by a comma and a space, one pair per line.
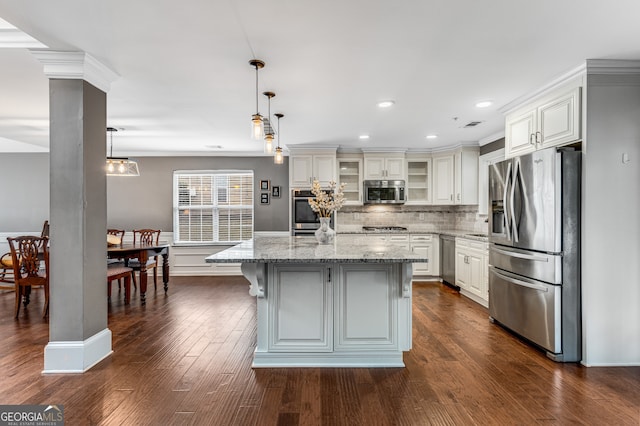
300, 308
366, 307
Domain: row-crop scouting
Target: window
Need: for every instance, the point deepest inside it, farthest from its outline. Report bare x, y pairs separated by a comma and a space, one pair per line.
212, 206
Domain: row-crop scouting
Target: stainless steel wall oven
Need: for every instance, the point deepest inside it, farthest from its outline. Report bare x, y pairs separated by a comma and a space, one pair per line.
303, 219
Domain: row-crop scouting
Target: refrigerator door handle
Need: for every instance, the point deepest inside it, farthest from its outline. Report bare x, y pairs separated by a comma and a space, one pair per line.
514, 180
520, 282
520, 255
507, 221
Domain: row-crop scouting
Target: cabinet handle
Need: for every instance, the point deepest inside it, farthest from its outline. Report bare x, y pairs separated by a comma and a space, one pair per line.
458, 196
538, 139
531, 141
451, 197
329, 275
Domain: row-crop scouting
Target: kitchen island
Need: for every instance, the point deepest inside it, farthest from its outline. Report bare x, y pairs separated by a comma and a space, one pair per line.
347, 304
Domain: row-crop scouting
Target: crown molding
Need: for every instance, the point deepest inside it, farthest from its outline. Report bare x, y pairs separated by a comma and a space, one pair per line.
75, 66
552, 85
13, 38
613, 66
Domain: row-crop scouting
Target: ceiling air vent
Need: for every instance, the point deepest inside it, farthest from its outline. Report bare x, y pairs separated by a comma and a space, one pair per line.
472, 124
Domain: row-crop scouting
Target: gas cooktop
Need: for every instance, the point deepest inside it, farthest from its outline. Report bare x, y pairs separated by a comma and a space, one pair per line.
383, 228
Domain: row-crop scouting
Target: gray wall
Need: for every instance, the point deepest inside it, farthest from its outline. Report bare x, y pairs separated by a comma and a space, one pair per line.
611, 223
136, 202
25, 200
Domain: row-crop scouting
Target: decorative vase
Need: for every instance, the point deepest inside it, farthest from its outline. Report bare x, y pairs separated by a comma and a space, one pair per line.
325, 234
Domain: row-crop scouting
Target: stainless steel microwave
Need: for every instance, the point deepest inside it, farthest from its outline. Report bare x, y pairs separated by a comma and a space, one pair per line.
384, 192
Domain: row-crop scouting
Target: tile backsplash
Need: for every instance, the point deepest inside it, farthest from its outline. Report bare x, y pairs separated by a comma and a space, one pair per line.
431, 218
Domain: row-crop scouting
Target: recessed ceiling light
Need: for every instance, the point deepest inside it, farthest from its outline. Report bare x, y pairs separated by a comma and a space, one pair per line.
432, 136
484, 104
386, 104
363, 137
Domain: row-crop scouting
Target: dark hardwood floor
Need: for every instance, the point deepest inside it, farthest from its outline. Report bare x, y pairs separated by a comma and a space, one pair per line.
185, 358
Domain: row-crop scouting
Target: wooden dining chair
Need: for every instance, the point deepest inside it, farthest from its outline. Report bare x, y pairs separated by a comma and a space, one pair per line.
6, 264
115, 237
118, 233
28, 253
6, 272
146, 237
118, 271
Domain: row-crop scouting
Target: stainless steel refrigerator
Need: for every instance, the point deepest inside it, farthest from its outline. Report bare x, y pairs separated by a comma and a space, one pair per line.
534, 255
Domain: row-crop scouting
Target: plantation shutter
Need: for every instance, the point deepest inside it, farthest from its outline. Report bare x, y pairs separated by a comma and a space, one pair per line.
213, 207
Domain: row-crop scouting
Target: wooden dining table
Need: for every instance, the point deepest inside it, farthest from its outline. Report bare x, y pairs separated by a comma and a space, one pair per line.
143, 252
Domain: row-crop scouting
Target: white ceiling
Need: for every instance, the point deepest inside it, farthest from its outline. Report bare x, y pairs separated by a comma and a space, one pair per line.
185, 83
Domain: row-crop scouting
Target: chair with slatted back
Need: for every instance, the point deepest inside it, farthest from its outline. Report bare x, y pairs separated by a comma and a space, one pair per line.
30, 257
115, 237
146, 237
6, 263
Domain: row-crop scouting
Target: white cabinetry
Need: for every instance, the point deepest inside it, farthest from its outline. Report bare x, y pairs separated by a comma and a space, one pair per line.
472, 269
426, 245
361, 289
384, 166
484, 162
400, 240
305, 168
443, 185
455, 177
418, 185
552, 120
350, 172
465, 171
296, 326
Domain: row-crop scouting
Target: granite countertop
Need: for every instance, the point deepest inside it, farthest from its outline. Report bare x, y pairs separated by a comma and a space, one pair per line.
346, 248
357, 230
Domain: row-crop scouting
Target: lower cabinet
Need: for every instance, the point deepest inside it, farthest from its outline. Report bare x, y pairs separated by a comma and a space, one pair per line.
472, 267
316, 308
362, 289
428, 246
301, 309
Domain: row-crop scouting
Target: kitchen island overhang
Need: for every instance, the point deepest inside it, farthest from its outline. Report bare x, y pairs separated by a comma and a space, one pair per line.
347, 304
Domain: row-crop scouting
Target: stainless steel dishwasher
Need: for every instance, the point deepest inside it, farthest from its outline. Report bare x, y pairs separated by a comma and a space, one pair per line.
448, 259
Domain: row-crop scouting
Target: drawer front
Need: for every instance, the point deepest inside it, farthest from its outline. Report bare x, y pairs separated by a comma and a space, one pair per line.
426, 238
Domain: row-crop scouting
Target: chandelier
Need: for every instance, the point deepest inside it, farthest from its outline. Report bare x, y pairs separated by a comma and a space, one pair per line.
119, 166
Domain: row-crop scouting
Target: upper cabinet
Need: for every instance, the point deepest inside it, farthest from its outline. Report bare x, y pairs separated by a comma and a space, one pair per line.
350, 173
419, 180
443, 182
384, 165
551, 121
455, 177
465, 171
307, 167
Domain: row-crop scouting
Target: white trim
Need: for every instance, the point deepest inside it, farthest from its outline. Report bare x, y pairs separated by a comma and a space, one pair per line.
554, 84
77, 356
271, 234
76, 66
491, 138
368, 359
613, 66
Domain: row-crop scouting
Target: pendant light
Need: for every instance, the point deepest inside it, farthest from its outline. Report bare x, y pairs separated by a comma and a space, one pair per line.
268, 128
119, 166
278, 158
256, 119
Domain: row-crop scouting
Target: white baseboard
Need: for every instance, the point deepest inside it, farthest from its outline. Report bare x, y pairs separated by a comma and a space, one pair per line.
77, 357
